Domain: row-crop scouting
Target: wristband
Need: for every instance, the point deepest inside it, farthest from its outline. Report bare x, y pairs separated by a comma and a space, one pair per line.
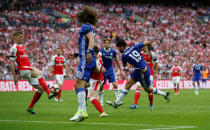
89, 51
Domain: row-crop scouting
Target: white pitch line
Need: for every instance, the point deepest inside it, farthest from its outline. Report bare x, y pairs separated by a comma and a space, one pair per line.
110, 124
172, 128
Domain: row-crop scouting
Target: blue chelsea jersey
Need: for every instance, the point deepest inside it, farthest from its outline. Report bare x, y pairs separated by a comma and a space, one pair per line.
83, 45
133, 56
197, 69
107, 58
83, 41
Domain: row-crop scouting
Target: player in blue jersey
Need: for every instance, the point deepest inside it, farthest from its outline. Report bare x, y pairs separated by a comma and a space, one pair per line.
87, 19
197, 70
132, 55
108, 56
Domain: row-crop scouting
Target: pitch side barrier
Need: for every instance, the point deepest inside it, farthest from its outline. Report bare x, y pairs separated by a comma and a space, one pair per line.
23, 85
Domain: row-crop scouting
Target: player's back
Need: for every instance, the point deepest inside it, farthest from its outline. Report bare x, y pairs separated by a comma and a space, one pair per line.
107, 58
133, 56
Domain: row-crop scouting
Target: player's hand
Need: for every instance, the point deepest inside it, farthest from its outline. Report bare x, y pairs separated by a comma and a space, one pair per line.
89, 57
15, 80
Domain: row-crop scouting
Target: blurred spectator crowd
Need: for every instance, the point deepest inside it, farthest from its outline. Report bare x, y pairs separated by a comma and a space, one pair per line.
175, 31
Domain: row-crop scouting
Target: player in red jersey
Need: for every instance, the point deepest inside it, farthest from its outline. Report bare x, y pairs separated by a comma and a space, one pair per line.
152, 61
176, 76
96, 82
56, 68
18, 53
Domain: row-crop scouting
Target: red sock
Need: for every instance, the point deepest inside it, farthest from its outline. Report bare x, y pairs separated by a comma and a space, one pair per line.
44, 85
150, 96
97, 105
59, 94
35, 99
175, 90
137, 96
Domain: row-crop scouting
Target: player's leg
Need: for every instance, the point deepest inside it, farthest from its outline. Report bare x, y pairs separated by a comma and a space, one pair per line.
59, 81
112, 79
94, 91
124, 92
196, 80
37, 73
37, 95
136, 96
150, 95
101, 94
177, 84
129, 84
82, 76
146, 83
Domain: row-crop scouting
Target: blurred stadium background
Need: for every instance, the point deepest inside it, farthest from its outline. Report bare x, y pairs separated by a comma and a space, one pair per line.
180, 30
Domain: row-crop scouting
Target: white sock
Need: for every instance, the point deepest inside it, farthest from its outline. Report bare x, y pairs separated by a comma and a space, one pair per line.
121, 96
116, 93
158, 92
101, 97
81, 99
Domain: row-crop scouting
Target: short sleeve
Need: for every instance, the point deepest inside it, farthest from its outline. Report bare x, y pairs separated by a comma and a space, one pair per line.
12, 53
64, 61
139, 45
52, 61
154, 58
85, 29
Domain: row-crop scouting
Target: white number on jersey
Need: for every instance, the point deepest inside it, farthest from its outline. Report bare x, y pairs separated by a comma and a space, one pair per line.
136, 56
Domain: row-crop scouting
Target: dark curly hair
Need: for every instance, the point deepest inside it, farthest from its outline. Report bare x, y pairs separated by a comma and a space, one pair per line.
88, 15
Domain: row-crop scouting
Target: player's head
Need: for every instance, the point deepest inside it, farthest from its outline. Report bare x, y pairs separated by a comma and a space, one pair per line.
121, 45
107, 43
17, 37
150, 48
88, 15
176, 63
145, 49
58, 51
197, 62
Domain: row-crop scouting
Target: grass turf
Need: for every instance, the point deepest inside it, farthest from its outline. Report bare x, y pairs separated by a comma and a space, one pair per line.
185, 111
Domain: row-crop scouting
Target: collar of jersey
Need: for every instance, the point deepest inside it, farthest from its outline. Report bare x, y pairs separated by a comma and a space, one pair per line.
106, 50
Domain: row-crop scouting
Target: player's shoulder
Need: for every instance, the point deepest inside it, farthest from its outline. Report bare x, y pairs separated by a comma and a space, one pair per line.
102, 50
86, 27
54, 56
112, 50
13, 48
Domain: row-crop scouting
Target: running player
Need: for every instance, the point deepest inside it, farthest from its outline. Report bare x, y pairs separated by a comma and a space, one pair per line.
87, 19
141, 74
108, 56
176, 72
18, 53
151, 60
205, 77
56, 69
96, 81
197, 69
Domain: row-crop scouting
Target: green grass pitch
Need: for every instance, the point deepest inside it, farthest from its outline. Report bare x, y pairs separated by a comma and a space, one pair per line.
185, 111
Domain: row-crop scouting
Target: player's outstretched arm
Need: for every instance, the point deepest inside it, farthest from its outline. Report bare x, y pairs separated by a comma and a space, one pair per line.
12, 64
147, 43
91, 44
67, 70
